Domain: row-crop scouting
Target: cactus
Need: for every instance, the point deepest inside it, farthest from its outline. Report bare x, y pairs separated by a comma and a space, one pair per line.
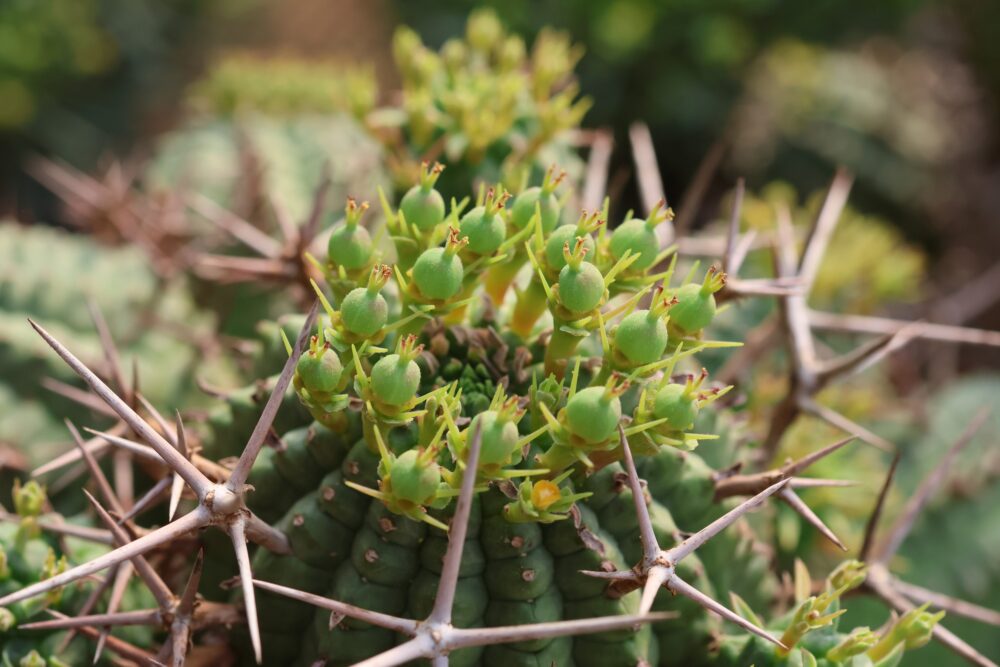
69, 282
500, 448
521, 532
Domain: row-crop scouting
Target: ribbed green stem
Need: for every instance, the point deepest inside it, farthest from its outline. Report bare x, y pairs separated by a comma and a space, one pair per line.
561, 347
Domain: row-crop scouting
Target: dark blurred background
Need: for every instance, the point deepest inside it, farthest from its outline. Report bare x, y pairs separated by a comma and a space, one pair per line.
905, 93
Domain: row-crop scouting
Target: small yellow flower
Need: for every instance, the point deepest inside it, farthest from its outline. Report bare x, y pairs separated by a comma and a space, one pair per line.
544, 494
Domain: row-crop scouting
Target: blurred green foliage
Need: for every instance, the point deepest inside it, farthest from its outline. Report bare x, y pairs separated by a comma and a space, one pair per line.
75, 74
676, 64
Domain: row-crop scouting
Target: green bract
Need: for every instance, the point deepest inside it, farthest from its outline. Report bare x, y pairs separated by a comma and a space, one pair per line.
484, 226
395, 379
422, 207
695, 307
542, 198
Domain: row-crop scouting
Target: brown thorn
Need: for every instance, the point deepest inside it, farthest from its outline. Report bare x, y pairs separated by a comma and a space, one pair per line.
729, 263
806, 512
149, 576
235, 226
401, 625
871, 528
650, 547
139, 546
445, 598
678, 585
119, 646
952, 605
77, 395
677, 553
192, 475
103, 485
108, 346
647, 170
242, 469
822, 229
928, 487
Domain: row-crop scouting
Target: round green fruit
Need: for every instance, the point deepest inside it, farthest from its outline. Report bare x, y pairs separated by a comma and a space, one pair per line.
641, 337
593, 415
319, 372
676, 405
412, 479
438, 274
423, 207
636, 235
350, 247
499, 437
364, 312
486, 231
694, 310
581, 287
395, 380
524, 208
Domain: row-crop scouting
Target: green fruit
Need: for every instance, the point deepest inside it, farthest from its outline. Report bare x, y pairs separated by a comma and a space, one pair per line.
364, 312
694, 310
642, 337
636, 235
593, 414
350, 246
675, 404
414, 480
485, 230
319, 370
395, 379
524, 208
438, 274
423, 207
499, 437
558, 240
581, 287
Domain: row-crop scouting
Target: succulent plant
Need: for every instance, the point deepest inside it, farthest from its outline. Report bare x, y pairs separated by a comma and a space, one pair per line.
493, 442
521, 533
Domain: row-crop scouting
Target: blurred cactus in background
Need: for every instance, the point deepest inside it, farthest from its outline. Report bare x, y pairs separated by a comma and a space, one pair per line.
453, 406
